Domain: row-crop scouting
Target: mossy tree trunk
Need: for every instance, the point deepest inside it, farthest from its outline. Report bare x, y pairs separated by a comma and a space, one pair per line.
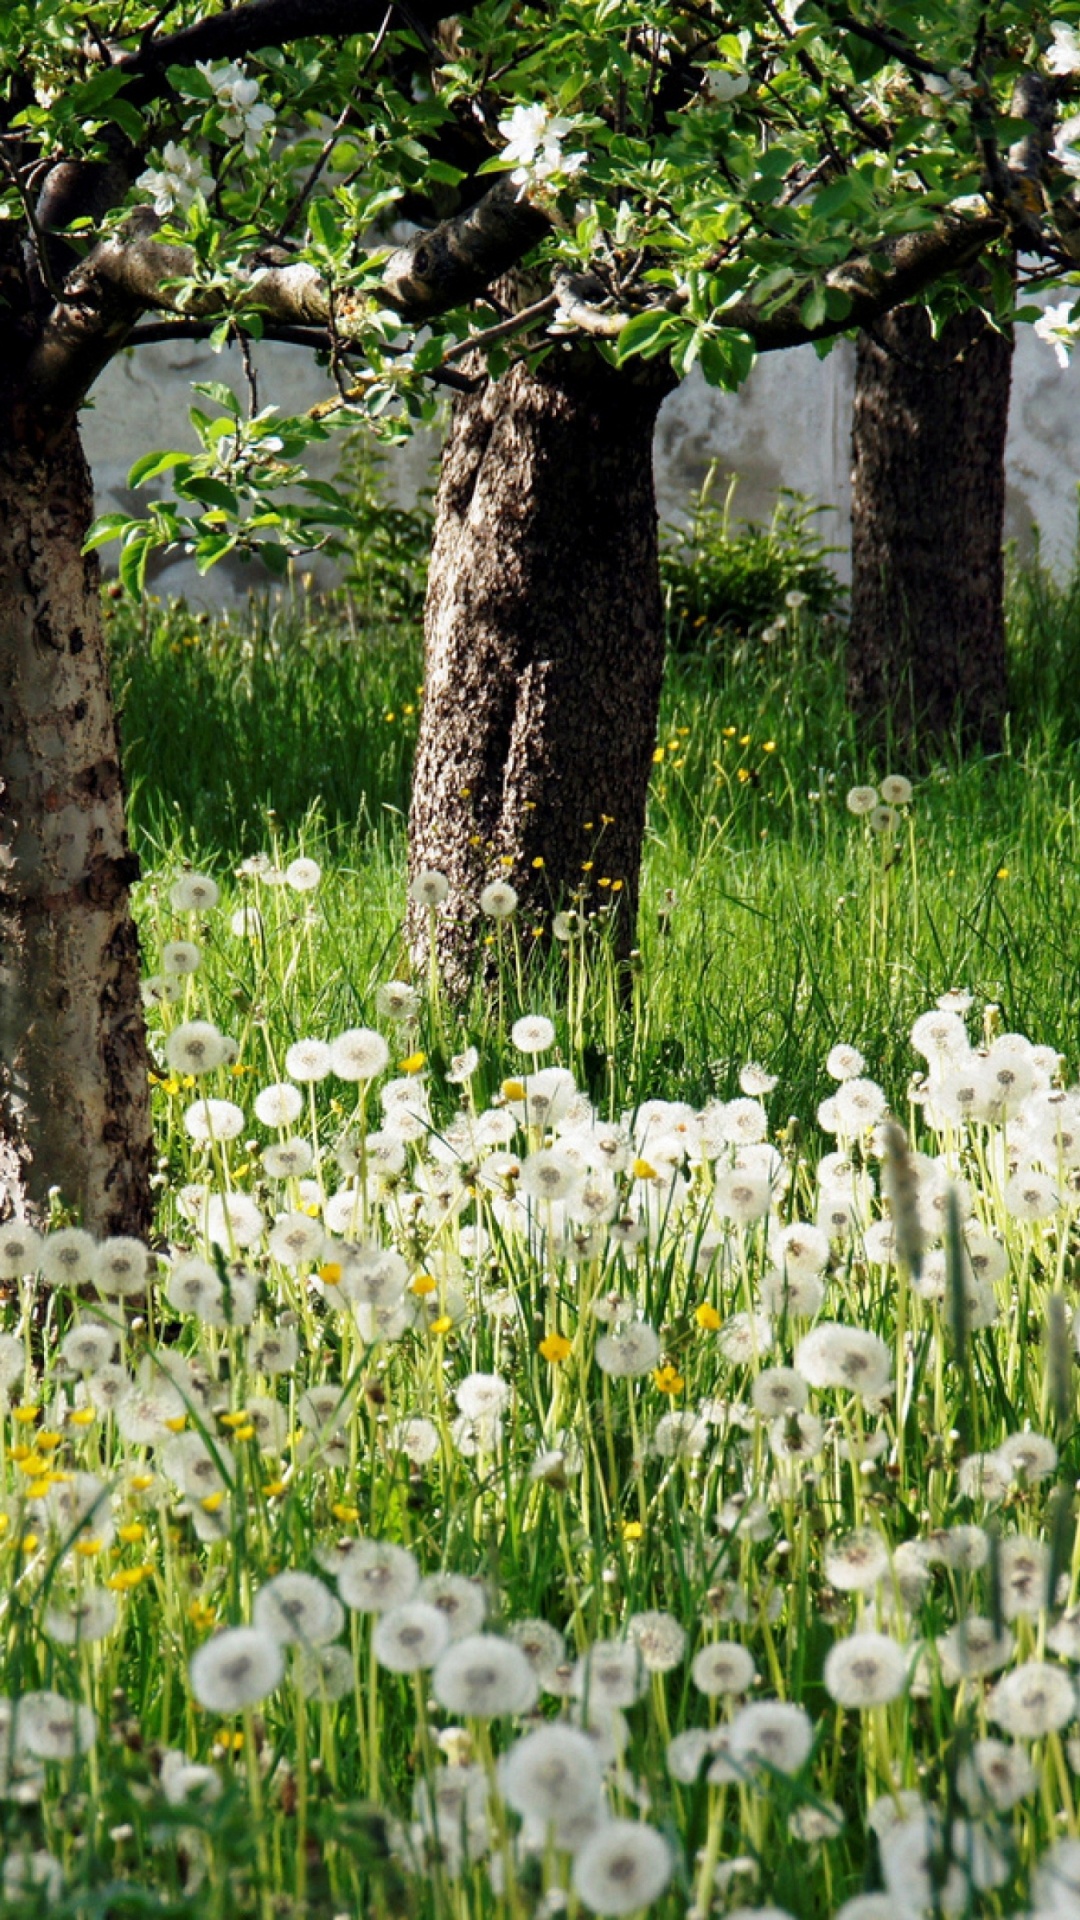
927, 640
74, 1093
545, 651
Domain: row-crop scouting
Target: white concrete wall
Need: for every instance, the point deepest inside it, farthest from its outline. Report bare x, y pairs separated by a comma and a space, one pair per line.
788, 427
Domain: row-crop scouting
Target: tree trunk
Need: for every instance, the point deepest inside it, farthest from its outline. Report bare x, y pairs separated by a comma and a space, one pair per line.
74, 1094
926, 652
545, 651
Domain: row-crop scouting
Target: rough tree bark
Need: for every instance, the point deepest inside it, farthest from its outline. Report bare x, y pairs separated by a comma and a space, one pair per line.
74, 1095
545, 646
927, 637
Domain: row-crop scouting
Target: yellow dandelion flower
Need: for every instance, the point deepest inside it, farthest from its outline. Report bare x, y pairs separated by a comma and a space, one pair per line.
413, 1063
443, 1324
422, 1284
707, 1317
131, 1533
632, 1530
347, 1515
555, 1348
668, 1380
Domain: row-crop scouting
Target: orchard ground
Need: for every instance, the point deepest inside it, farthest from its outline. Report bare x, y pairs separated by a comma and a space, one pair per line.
596, 1452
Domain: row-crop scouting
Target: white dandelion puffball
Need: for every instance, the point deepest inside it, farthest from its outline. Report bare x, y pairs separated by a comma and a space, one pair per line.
483, 1676
397, 1000
552, 1773
410, 1638
533, 1033
180, 956
866, 1670
722, 1667
121, 1265
461, 1602
498, 900
861, 800
633, 1351
303, 875
196, 1047
623, 1867
838, 1356
376, 1576
20, 1250
68, 1257
358, 1054
428, 888
236, 1669
1033, 1700
308, 1060
52, 1728
194, 893
207, 1120
279, 1105
298, 1610
772, 1733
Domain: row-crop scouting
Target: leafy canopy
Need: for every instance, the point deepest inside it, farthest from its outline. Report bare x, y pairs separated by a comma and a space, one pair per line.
673, 180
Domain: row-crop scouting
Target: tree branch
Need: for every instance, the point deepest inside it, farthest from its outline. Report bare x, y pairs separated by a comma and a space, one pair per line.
130, 273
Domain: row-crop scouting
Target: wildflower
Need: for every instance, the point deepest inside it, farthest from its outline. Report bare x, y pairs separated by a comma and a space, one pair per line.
723, 84
214, 1120
896, 790
858, 1104
297, 1240
242, 118
67, 1257
774, 1733
549, 1174
358, 1054
297, 1609
307, 1060
416, 1438
754, 1080
236, 1669
120, 1267
279, 1105
856, 1563
796, 1436
182, 1780
555, 1348
483, 1676
498, 900
801, 1250
302, 875
861, 800
533, 1033
272, 1350
377, 1576
972, 1648
32, 1880
659, 1639
995, 1775
551, 1773
866, 1670
288, 1159
233, 1220
480, 1395
622, 1868
194, 893
722, 1667
1033, 1700
429, 888
193, 1286
325, 1673
461, 1602
411, 1637
1055, 323
680, 1436
778, 1390
51, 1728
397, 1000
246, 923
20, 1250
836, 1356
87, 1616
611, 1674
631, 1352
86, 1347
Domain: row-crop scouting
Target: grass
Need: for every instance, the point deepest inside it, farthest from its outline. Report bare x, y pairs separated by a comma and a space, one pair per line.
767, 1419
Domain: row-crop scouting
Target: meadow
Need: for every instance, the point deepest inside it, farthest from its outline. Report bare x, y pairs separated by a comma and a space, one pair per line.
586, 1452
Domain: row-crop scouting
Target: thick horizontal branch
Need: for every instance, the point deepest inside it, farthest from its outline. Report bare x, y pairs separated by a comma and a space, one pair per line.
897, 270
134, 272
245, 30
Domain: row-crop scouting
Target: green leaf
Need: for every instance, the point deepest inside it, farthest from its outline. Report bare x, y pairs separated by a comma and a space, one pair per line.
132, 565
152, 464
647, 334
107, 526
209, 493
813, 311
324, 225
